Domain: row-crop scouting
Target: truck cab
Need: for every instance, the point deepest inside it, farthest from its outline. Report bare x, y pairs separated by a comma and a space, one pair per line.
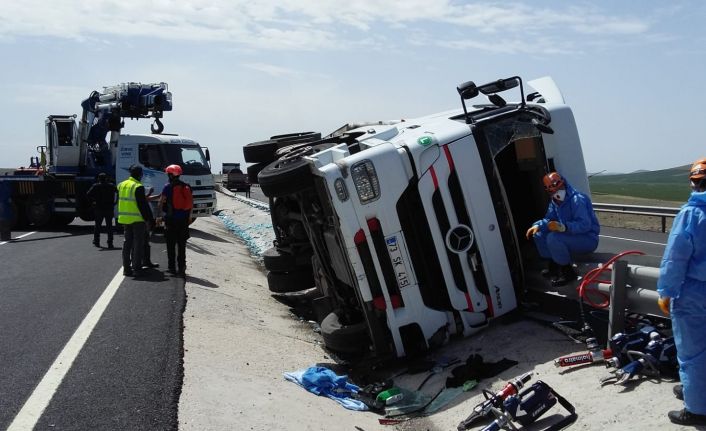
155, 152
417, 228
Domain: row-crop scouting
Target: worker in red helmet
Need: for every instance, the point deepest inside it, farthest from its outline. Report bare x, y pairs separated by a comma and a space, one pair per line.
176, 204
682, 295
569, 227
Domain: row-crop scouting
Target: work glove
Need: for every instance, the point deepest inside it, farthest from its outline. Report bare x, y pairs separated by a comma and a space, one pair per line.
532, 231
663, 303
556, 226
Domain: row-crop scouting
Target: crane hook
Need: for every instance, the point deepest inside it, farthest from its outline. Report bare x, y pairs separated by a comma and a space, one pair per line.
157, 127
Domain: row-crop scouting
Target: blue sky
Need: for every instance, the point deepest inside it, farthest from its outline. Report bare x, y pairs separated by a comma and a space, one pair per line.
634, 72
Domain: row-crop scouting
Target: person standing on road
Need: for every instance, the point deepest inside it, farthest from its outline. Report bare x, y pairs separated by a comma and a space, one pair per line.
177, 203
103, 194
147, 254
682, 295
134, 213
569, 227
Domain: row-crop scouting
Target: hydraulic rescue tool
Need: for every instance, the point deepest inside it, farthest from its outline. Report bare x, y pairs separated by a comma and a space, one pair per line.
594, 354
528, 406
494, 400
655, 359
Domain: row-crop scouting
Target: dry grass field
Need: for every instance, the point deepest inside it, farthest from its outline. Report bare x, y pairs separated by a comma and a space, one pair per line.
630, 221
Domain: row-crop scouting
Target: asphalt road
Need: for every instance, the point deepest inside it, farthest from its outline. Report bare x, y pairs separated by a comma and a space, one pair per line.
127, 375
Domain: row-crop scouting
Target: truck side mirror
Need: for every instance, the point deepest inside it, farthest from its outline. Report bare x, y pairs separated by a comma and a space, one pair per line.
208, 155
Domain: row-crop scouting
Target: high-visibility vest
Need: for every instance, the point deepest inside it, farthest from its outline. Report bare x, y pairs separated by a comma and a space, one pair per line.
128, 211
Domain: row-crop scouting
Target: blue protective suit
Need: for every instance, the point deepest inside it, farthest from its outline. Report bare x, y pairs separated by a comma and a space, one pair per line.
324, 382
582, 228
682, 276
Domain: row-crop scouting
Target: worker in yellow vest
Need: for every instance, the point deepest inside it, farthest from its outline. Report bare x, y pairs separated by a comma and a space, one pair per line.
136, 217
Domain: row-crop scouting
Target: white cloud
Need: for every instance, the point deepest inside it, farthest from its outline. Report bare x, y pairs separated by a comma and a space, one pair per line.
310, 24
271, 69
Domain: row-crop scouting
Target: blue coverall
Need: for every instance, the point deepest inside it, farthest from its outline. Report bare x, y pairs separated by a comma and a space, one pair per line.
682, 277
575, 212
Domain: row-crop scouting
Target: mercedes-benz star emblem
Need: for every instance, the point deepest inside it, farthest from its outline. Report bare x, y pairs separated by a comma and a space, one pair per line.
459, 239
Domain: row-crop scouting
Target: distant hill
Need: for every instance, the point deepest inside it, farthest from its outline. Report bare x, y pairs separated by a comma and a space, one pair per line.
666, 184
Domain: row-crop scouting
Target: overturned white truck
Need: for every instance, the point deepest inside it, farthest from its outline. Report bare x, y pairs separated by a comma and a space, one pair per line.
414, 230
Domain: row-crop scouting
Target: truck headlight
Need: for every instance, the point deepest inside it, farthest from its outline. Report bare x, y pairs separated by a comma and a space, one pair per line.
341, 190
366, 181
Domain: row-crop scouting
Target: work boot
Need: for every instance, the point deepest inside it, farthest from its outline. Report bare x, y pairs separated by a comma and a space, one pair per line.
128, 272
96, 243
566, 276
552, 270
110, 245
678, 392
150, 265
685, 417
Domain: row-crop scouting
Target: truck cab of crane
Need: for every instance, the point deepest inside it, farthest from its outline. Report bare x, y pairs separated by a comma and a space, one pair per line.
155, 152
62, 144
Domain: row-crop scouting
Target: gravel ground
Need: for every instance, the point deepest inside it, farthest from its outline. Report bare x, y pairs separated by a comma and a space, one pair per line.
238, 340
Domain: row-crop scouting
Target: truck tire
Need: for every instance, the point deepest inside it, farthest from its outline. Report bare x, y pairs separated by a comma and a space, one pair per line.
38, 211
19, 217
276, 260
253, 170
339, 337
284, 177
294, 281
61, 220
298, 138
260, 152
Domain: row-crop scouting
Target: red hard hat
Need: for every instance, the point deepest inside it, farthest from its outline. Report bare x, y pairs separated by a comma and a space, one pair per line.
552, 182
174, 170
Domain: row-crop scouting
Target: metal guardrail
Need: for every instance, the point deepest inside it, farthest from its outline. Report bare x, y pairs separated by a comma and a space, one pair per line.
651, 211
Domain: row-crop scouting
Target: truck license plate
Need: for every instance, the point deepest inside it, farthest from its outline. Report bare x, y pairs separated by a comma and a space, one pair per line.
397, 262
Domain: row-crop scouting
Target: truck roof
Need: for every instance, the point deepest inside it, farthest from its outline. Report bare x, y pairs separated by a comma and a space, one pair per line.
157, 139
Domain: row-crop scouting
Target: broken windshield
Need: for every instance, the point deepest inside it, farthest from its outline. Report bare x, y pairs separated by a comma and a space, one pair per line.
502, 133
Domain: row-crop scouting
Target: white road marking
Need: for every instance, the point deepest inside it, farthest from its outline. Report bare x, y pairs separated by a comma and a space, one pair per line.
21, 236
33, 408
633, 240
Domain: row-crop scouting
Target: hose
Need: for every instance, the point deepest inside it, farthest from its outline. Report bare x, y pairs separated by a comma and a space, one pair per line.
592, 278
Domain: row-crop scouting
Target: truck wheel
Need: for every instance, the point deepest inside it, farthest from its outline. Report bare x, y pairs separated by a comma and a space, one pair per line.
284, 177
38, 211
279, 261
19, 217
300, 138
315, 148
283, 282
260, 152
253, 170
339, 337
61, 220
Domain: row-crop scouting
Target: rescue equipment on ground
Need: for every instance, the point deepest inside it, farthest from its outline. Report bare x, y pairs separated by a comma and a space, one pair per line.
525, 407
644, 353
494, 400
594, 354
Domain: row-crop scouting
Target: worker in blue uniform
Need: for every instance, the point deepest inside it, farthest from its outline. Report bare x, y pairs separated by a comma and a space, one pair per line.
682, 294
569, 227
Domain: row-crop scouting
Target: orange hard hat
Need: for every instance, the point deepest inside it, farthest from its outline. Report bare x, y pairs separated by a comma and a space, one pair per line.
698, 170
553, 182
174, 170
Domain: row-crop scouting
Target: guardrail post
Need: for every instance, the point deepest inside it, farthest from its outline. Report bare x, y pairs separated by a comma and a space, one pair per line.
618, 298
664, 224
